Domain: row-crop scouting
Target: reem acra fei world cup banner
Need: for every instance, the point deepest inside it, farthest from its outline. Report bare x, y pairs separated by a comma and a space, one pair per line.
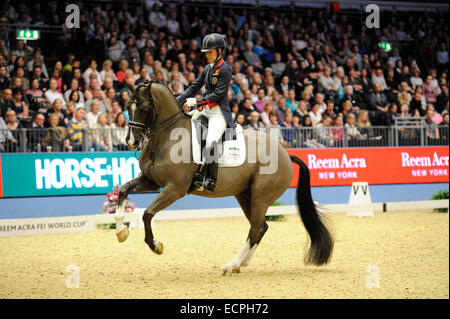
52, 174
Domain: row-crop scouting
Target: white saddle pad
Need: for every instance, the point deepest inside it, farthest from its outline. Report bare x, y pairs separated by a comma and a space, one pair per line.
233, 151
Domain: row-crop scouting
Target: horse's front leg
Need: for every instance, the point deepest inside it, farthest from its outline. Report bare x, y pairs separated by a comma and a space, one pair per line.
139, 184
168, 195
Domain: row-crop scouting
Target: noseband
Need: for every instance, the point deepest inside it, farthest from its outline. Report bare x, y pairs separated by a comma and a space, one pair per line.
147, 130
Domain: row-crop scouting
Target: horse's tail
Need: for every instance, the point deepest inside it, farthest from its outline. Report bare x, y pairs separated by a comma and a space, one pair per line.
322, 241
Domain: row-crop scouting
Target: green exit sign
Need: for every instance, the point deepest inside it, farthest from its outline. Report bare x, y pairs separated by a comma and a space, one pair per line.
28, 35
386, 46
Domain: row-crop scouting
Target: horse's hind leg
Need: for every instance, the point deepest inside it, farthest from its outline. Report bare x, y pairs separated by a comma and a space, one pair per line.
234, 265
137, 185
242, 258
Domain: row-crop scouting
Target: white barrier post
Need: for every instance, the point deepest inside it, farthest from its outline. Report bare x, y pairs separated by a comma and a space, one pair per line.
360, 200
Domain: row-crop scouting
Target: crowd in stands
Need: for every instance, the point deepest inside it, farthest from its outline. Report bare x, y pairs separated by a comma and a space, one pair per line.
317, 69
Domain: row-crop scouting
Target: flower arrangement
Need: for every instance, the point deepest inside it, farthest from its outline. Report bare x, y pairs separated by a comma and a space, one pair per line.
112, 201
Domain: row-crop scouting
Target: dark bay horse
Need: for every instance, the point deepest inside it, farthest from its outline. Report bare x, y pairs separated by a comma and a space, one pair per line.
155, 113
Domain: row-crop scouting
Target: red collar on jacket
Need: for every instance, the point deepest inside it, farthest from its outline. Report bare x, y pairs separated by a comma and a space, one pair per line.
218, 63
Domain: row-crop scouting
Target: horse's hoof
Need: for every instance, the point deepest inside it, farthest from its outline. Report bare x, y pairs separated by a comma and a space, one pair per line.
231, 269
158, 247
122, 234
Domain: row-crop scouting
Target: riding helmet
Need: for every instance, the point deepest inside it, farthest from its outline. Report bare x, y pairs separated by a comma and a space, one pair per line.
213, 41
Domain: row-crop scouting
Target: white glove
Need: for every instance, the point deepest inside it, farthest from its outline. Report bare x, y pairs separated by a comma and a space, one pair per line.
192, 101
195, 114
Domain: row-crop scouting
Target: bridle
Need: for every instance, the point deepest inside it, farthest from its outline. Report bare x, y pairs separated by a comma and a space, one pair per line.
148, 130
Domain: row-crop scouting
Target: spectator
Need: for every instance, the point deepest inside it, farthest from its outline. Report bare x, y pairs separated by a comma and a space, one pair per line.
108, 100
378, 78
289, 131
35, 95
246, 108
20, 106
251, 57
324, 133
315, 115
57, 110
4, 78
114, 49
52, 93
291, 102
307, 137
437, 118
281, 109
254, 121
364, 125
157, 18
442, 57
431, 128
392, 89
418, 102
338, 131
36, 133
75, 97
92, 69
429, 92
416, 80
319, 99
70, 110
278, 66
119, 133
102, 134
378, 103
274, 129
302, 110
6, 102
56, 135
7, 141
265, 115
327, 84
107, 71
404, 97
445, 121
76, 129
390, 118
261, 100
74, 86
351, 129
99, 95
37, 61
330, 109
240, 119
442, 98
93, 113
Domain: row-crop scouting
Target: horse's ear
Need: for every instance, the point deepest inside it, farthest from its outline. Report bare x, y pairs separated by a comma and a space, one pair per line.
130, 86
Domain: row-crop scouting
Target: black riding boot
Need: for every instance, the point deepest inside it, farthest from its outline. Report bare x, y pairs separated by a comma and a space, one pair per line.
199, 178
206, 177
210, 182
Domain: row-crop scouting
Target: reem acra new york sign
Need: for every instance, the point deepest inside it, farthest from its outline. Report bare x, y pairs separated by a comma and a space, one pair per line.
28, 35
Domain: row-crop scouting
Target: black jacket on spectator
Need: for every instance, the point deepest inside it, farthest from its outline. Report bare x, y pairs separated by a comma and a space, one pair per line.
440, 102
414, 104
377, 100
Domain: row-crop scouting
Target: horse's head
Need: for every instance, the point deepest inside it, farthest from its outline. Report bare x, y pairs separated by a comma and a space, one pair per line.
140, 109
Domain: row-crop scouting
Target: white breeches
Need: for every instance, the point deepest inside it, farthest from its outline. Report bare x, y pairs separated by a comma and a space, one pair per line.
217, 124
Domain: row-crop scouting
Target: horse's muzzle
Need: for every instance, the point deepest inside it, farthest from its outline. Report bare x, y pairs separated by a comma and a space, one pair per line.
134, 146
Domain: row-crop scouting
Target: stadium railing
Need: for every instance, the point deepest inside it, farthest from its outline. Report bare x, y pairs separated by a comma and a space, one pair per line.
402, 134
